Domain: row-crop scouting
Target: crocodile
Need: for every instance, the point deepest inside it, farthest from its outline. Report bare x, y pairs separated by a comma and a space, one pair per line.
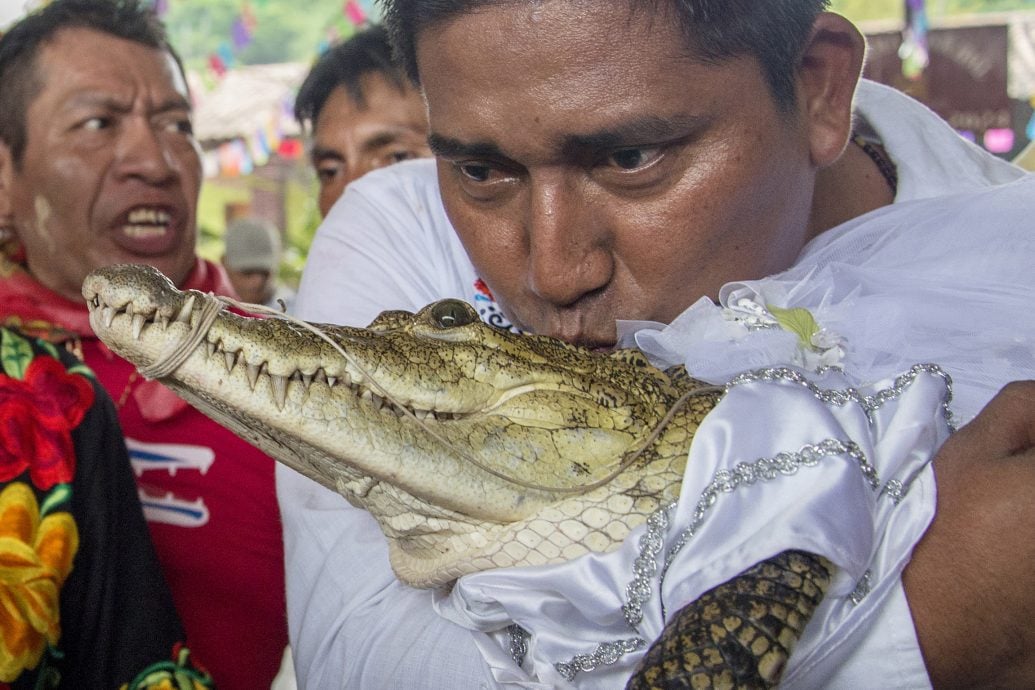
473, 447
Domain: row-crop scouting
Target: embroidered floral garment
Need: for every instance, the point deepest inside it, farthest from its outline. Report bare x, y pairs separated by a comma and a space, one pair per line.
208, 496
83, 602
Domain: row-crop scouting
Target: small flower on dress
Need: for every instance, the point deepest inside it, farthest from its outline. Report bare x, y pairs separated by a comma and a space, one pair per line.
819, 349
180, 672
751, 314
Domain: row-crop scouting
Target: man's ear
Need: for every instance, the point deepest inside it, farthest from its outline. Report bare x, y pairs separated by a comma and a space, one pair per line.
827, 77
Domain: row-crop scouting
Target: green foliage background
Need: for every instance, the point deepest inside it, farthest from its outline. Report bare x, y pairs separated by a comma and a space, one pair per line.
284, 31
865, 10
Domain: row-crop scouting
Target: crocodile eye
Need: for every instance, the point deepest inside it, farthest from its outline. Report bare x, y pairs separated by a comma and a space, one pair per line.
451, 313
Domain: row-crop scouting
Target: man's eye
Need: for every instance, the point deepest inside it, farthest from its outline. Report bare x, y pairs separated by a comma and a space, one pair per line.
95, 124
326, 172
183, 126
634, 158
400, 156
475, 172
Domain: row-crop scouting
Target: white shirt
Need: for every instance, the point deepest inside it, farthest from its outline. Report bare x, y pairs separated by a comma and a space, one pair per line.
388, 244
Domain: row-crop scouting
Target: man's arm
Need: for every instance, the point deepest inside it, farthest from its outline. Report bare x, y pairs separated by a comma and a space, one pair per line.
971, 582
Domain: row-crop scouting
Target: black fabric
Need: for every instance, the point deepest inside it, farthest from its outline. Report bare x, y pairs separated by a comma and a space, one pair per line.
116, 610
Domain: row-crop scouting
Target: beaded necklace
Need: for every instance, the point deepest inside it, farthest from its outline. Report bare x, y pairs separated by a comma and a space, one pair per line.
886, 167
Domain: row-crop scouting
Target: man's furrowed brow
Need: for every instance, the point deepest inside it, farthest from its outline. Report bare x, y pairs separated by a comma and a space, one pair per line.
446, 147
644, 131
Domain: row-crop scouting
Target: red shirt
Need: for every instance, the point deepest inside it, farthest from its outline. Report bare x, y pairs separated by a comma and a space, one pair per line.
208, 496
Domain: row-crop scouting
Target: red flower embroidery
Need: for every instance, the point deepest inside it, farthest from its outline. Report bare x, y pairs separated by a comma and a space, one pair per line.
37, 416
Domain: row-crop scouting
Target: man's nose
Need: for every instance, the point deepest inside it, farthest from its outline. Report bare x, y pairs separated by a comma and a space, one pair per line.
143, 153
568, 250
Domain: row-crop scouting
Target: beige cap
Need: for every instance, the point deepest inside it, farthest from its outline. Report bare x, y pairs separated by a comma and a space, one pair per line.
252, 244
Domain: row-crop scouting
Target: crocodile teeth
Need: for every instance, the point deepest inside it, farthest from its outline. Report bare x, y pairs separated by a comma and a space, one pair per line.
185, 310
367, 395
331, 380
230, 358
253, 375
279, 385
210, 348
108, 314
138, 325
307, 380
162, 321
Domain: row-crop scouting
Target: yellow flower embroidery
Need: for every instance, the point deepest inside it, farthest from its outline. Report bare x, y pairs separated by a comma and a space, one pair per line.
35, 559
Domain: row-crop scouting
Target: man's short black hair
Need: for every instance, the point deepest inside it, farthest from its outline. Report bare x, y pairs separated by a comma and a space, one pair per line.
366, 52
20, 47
773, 31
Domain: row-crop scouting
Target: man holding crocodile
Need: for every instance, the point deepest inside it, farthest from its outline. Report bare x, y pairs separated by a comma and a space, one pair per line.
574, 142
611, 161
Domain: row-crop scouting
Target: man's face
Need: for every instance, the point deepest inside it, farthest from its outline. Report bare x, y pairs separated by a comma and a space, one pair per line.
594, 172
253, 285
111, 171
350, 141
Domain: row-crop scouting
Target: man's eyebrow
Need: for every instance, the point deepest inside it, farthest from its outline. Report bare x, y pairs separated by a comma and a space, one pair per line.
390, 136
446, 147
639, 132
109, 102
324, 153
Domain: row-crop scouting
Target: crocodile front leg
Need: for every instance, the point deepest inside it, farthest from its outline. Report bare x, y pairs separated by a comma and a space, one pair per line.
741, 633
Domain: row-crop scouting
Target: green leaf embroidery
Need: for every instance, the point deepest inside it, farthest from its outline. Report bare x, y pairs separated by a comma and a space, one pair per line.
15, 354
58, 495
798, 321
49, 349
82, 370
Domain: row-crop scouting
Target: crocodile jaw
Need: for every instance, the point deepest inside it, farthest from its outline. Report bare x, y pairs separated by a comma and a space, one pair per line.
516, 441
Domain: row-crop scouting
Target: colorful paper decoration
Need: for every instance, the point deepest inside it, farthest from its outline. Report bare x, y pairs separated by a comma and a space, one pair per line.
913, 51
999, 140
355, 13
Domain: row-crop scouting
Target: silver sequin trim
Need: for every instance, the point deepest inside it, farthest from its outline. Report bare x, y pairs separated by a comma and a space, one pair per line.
606, 654
895, 490
645, 567
869, 403
518, 643
639, 589
862, 588
783, 464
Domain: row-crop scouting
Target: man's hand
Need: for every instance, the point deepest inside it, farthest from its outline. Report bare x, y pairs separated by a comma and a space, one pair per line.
971, 582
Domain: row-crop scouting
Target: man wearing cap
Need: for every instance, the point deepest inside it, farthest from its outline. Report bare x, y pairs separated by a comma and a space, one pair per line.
252, 260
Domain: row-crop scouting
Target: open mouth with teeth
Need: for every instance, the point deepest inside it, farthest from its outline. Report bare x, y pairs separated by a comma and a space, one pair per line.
146, 222
231, 354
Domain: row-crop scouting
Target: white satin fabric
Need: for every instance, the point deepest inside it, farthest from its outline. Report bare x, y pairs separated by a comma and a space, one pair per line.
950, 282
830, 508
